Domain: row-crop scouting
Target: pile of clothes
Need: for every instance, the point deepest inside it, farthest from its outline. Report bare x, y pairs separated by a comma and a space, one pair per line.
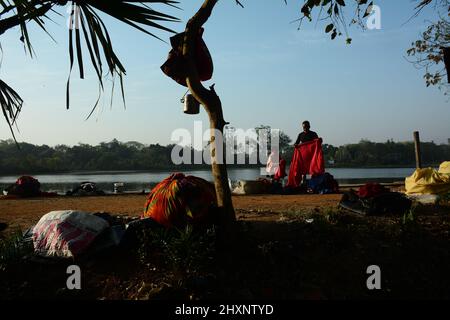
180, 200
260, 186
26, 187
322, 184
86, 189
78, 235
429, 181
175, 67
174, 203
374, 199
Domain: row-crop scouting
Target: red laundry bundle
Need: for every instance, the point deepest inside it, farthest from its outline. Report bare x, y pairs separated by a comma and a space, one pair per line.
370, 190
175, 66
180, 200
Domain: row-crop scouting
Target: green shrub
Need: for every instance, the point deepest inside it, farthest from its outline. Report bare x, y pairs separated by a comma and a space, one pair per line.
184, 251
13, 249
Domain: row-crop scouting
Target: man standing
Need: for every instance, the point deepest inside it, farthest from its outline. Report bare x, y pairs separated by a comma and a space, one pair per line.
306, 135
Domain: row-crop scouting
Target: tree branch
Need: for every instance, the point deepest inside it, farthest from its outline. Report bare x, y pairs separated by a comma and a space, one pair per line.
192, 30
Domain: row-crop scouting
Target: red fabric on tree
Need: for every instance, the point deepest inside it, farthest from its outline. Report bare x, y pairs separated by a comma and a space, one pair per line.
175, 66
307, 159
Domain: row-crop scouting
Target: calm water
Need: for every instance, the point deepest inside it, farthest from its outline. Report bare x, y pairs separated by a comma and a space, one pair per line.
138, 181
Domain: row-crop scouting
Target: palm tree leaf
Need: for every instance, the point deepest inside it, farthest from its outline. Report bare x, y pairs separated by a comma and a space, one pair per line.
11, 104
95, 35
95, 63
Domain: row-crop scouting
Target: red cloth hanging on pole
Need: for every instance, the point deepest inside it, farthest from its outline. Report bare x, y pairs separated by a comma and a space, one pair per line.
307, 159
175, 66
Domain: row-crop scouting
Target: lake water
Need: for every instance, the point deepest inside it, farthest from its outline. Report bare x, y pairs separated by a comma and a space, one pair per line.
138, 181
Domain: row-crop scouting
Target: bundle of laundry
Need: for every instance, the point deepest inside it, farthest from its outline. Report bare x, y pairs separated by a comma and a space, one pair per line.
175, 66
374, 199
180, 200
429, 181
78, 234
66, 234
323, 184
86, 189
25, 186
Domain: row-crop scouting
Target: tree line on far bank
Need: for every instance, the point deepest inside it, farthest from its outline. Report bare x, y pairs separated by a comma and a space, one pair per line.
116, 155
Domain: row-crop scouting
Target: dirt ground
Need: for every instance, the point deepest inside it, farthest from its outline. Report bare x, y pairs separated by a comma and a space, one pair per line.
24, 213
283, 248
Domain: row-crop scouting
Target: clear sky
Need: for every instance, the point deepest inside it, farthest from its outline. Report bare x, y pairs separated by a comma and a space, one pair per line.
266, 72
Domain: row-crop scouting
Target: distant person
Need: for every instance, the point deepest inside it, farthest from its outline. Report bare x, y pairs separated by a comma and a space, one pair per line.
276, 166
306, 135
272, 164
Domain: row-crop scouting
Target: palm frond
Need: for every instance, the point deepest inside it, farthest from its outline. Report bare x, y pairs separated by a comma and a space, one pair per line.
86, 24
85, 16
24, 11
11, 104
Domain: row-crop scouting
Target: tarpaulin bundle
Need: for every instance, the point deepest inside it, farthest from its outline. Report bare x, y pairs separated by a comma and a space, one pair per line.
175, 66
25, 186
429, 181
444, 168
307, 159
323, 184
180, 200
66, 233
383, 203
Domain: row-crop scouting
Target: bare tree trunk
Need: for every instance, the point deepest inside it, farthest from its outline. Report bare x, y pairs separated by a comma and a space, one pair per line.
219, 168
213, 106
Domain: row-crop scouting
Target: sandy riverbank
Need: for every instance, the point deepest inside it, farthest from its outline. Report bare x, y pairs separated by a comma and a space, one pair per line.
25, 212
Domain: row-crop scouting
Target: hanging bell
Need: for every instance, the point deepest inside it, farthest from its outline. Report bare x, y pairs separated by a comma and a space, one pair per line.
191, 105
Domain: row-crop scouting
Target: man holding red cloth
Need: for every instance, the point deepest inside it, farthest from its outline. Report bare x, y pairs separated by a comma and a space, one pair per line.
308, 157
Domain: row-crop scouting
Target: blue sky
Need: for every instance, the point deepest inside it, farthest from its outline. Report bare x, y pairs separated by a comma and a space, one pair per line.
266, 72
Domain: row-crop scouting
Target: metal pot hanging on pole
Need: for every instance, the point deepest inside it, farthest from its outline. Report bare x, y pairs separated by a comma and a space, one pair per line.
191, 105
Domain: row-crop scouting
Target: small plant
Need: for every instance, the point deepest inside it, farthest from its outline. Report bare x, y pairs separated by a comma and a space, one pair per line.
149, 242
331, 216
188, 250
409, 218
295, 214
444, 199
12, 249
183, 250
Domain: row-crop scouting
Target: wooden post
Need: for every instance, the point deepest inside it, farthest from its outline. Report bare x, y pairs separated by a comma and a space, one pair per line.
417, 147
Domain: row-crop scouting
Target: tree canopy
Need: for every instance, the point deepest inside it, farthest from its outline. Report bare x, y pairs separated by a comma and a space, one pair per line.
86, 25
130, 156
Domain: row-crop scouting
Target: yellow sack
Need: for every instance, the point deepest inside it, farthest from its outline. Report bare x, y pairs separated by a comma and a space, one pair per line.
428, 181
445, 167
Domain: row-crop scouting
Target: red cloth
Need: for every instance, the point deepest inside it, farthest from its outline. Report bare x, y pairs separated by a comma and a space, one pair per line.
175, 66
307, 159
281, 171
370, 190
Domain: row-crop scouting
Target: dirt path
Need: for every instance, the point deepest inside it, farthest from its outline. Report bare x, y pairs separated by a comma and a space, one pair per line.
26, 212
